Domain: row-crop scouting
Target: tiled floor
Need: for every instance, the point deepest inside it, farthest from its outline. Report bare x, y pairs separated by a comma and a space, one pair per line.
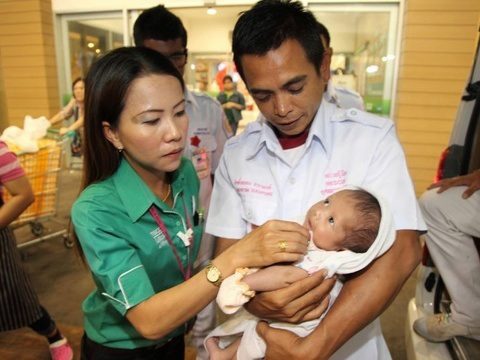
62, 282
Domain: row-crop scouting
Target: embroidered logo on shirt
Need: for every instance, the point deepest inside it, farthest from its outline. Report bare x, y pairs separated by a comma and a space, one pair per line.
158, 237
202, 131
253, 187
334, 180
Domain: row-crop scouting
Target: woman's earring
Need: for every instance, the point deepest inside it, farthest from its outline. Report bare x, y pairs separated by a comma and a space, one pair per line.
120, 150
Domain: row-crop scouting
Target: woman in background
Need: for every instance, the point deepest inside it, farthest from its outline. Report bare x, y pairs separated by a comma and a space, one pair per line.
75, 108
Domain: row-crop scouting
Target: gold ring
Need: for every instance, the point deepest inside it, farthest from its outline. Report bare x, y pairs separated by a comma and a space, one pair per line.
282, 245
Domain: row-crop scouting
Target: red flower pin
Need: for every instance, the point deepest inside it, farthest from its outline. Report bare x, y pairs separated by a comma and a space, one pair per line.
195, 141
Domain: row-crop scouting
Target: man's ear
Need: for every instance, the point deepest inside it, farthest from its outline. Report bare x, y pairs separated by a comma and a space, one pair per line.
326, 61
111, 135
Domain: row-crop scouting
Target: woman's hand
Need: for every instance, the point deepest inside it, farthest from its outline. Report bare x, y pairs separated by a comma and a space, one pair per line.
273, 242
304, 300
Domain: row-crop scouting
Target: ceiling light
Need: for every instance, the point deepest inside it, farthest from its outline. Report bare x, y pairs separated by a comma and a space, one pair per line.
372, 69
211, 10
388, 58
91, 45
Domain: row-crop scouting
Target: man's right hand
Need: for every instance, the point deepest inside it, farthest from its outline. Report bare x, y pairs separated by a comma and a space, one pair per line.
471, 181
304, 300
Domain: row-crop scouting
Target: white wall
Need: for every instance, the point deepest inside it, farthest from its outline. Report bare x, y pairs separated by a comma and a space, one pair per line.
203, 37
72, 6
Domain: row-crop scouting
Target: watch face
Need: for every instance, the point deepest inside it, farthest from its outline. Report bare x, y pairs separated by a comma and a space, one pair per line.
213, 274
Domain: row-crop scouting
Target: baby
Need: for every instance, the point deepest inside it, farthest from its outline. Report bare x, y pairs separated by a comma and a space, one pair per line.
346, 235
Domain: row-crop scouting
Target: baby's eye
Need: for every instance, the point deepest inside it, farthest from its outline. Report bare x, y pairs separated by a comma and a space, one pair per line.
326, 202
331, 220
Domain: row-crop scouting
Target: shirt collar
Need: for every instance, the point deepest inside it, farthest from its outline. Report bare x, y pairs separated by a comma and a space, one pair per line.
190, 99
318, 131
139, 198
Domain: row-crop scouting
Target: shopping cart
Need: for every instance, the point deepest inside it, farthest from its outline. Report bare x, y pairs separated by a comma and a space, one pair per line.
42, 169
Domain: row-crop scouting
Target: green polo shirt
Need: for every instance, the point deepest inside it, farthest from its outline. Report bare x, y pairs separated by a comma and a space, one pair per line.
129, 256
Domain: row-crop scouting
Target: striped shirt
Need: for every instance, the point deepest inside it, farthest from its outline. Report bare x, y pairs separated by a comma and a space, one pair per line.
10, 168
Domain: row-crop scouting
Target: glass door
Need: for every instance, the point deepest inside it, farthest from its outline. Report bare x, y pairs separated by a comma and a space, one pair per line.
364, 42
84, 37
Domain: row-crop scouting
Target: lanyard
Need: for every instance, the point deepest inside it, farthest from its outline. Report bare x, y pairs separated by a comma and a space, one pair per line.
186, 237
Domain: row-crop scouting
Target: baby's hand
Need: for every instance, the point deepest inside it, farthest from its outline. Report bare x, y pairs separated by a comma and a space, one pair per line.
274, 277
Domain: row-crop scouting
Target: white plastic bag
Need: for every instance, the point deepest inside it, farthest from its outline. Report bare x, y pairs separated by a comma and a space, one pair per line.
36, 128
26, 139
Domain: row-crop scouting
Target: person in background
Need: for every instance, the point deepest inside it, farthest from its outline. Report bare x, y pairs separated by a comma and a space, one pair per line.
75, 108
303, 148
232, 102
451, 208
19, 304
159, 29
137, 218
341, 96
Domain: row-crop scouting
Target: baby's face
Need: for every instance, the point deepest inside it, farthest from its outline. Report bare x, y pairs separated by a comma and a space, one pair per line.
330, 219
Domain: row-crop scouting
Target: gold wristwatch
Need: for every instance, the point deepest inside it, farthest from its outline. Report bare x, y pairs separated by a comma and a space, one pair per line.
213, 274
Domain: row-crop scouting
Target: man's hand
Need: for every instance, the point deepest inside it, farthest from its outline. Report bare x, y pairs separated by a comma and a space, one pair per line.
201, 163
285, 344
471, 181
304, 300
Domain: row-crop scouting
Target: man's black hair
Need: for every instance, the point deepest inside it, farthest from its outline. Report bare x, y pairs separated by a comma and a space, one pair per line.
227, 77
324, 33
158, 23
269, 23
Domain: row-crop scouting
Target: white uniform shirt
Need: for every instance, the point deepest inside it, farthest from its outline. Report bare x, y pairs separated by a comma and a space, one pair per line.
255, 183
205, 130
343, 97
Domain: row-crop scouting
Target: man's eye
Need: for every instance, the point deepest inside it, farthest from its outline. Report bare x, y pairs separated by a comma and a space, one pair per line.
331, 220
296, 90
180, 113
261, 97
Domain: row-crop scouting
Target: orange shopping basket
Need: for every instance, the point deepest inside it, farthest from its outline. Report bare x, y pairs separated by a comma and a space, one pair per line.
42, 169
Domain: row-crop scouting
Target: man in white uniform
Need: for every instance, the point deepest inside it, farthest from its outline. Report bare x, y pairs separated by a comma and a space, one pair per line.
160, 30
300, 149
342, 97
452, 211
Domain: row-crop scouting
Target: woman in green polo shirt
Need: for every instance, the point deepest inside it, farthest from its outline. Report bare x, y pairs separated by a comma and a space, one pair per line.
137, 218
